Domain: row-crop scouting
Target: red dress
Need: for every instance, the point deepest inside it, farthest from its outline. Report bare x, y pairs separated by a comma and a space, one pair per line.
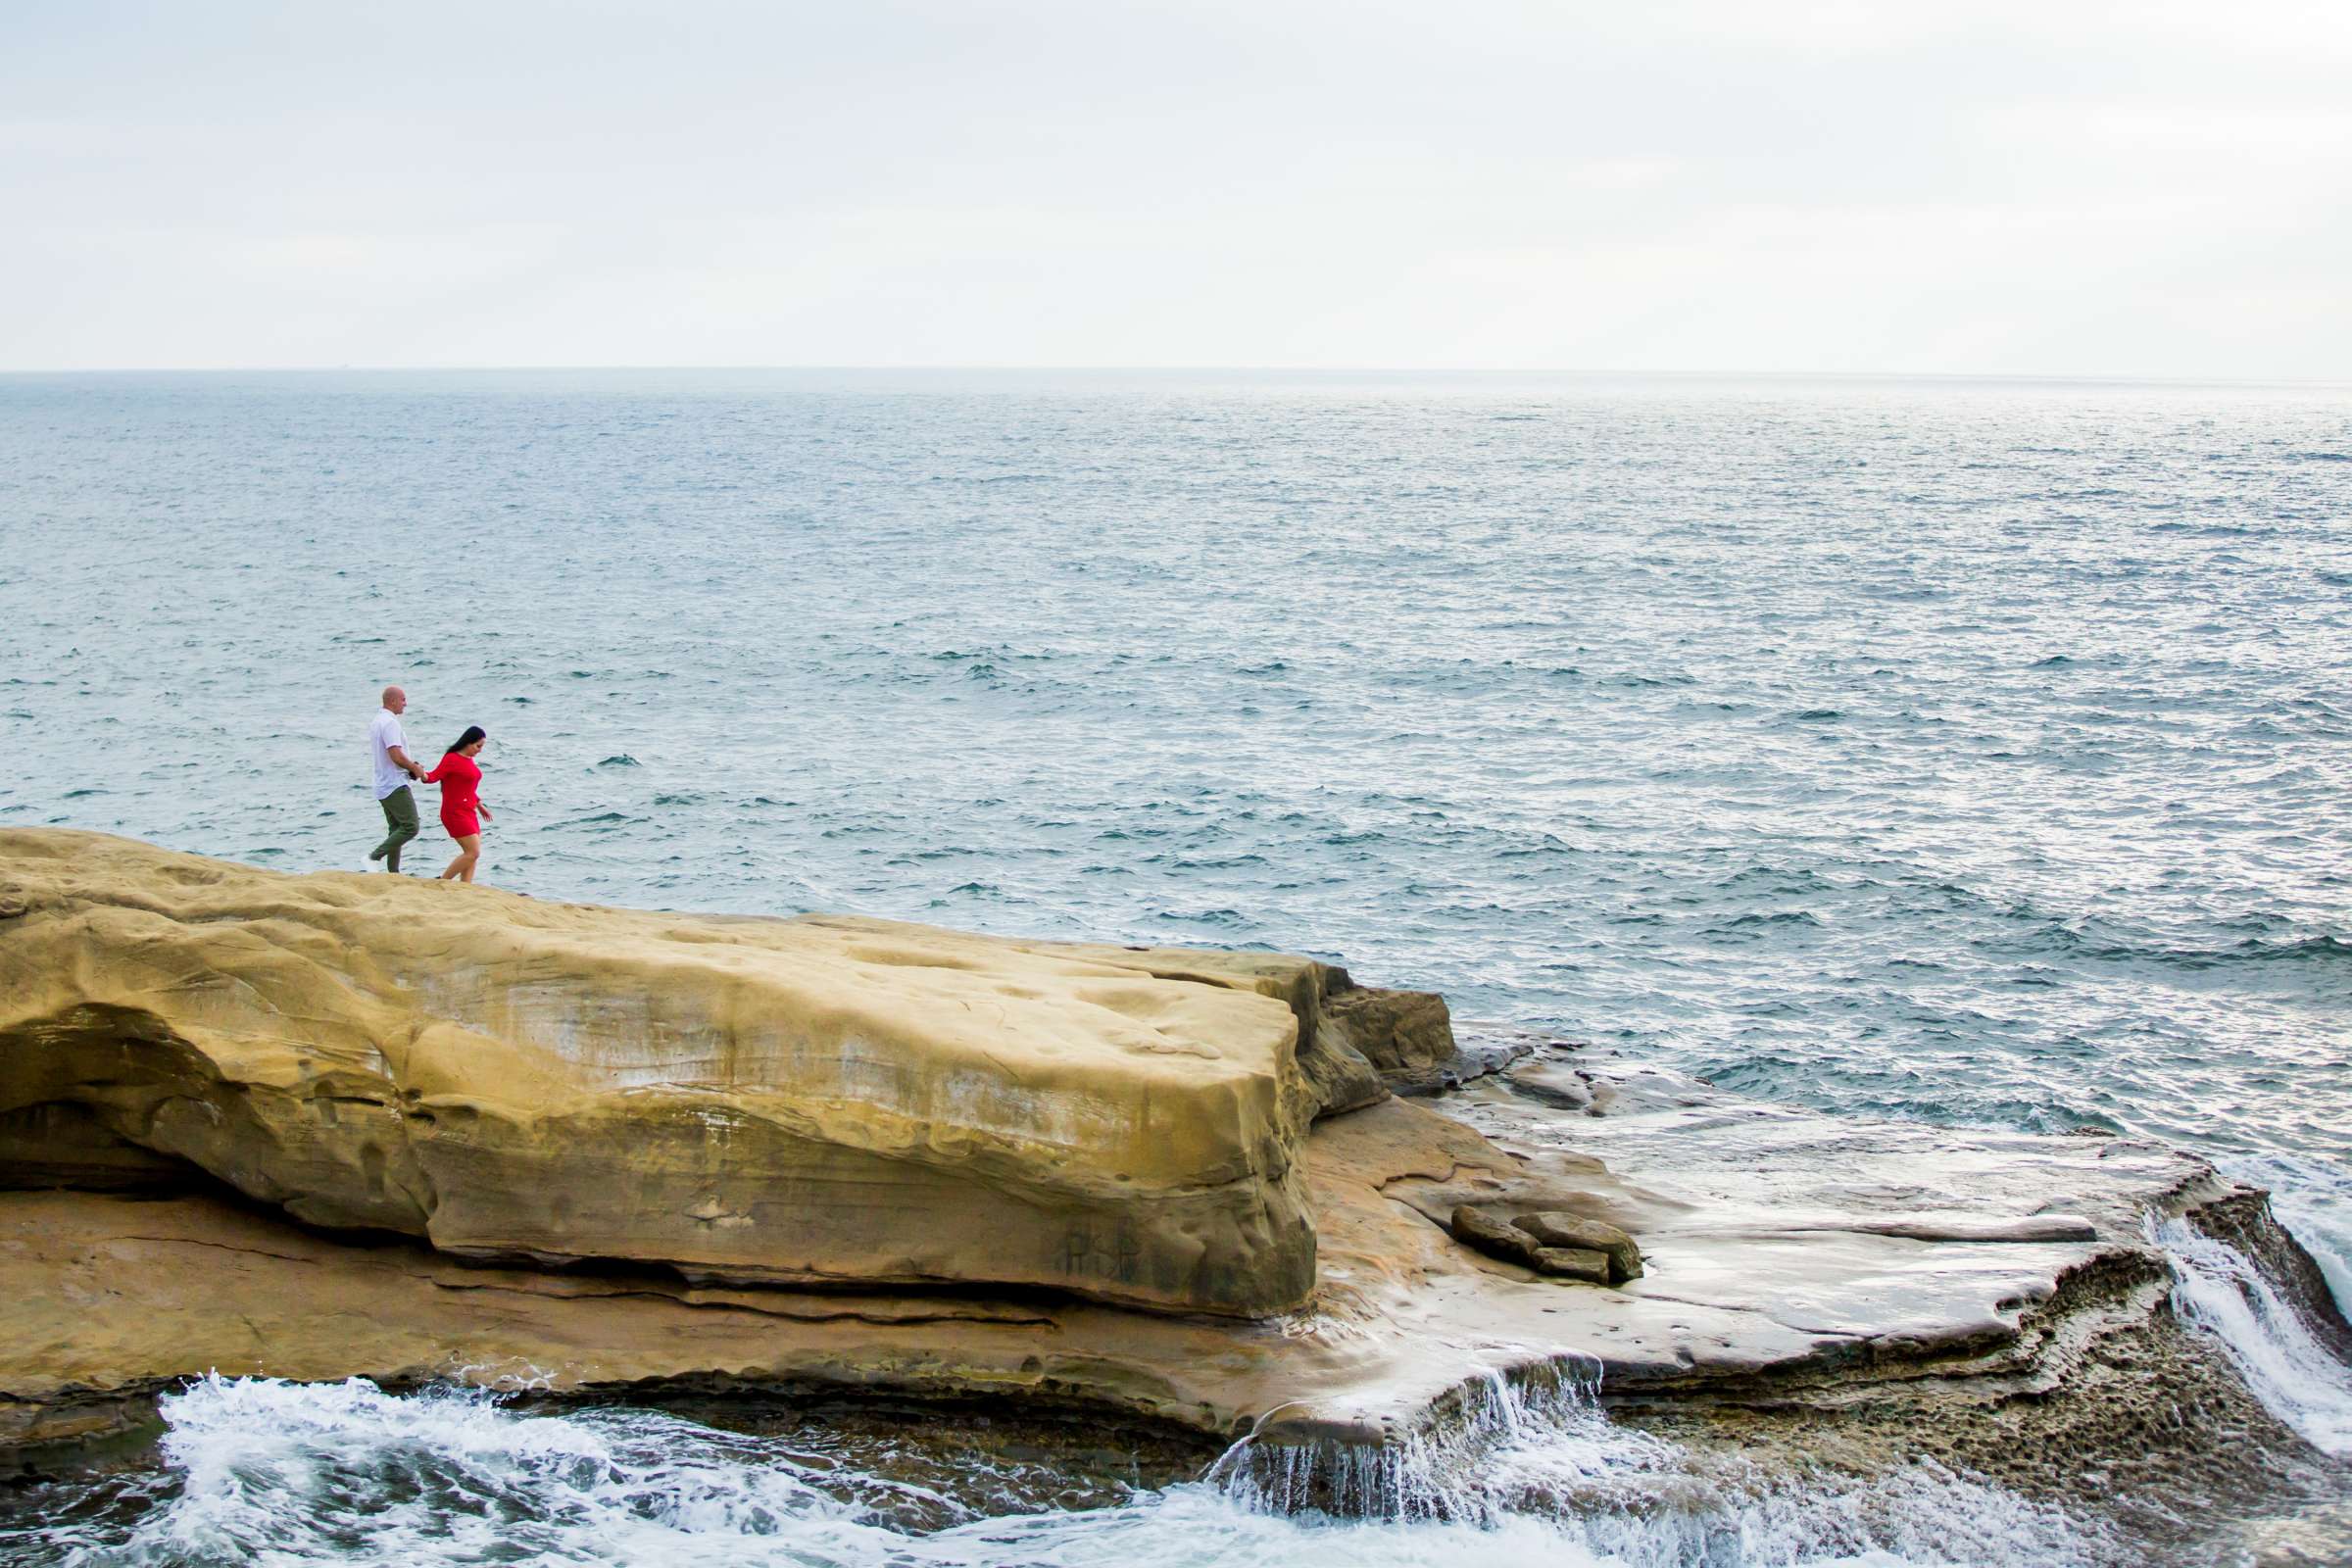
460, 784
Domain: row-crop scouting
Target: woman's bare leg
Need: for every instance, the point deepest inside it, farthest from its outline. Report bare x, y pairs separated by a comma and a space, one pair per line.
469, 852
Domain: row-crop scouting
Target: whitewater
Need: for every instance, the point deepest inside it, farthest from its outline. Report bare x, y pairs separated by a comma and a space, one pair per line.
1967, 752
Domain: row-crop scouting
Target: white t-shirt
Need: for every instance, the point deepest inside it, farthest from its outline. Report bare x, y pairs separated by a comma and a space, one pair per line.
382, 736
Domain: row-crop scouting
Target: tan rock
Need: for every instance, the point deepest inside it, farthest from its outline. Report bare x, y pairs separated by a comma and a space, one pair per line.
1496, 1237
817, 1100
1557, 1229
1573, 1263
359, 1050
1515, 1242
1849, 1344
1406, 1036
1490, 1236
113, 1299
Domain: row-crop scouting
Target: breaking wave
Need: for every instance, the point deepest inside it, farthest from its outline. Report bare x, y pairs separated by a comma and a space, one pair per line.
2220, 1290
258, 1470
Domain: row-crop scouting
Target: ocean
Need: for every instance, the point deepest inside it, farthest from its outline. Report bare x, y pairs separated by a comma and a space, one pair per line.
1967, 752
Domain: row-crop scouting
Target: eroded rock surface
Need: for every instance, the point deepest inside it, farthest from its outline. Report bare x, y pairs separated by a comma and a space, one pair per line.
1850, 1293
1753, 1306
1560, 1251
825, 1101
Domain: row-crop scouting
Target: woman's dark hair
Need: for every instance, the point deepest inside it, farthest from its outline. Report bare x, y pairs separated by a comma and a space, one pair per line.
474, 732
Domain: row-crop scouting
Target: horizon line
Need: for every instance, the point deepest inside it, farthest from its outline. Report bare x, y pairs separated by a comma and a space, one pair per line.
2112, 378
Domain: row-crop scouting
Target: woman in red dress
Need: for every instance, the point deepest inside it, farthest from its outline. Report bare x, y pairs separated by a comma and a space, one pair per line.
461, 782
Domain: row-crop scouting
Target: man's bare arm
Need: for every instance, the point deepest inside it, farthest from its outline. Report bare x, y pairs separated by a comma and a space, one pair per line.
401, 757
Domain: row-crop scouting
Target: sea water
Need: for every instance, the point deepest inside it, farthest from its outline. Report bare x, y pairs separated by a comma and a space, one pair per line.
1966, 752
263, 1471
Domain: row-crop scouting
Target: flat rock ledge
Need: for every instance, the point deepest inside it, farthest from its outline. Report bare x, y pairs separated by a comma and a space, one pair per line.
812, 1102
339, 1125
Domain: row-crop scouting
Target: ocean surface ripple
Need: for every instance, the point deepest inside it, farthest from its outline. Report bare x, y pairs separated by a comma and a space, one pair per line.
1971, 753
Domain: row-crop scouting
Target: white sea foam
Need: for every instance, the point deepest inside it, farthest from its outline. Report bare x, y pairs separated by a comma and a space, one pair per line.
2313, 1199
1960, 879
1550, 1458
281, 1473
2296, 1377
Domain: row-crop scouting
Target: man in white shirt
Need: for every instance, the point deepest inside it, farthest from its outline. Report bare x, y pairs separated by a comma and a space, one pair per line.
389, 747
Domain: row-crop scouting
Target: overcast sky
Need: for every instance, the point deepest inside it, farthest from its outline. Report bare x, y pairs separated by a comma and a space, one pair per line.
2148, 188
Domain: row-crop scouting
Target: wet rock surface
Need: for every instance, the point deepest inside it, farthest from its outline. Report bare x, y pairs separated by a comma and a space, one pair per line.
1733, 1275
1558, 1245
1556, 1229
1743, 1303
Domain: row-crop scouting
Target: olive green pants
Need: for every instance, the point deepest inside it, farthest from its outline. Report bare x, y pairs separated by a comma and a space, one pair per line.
400, 815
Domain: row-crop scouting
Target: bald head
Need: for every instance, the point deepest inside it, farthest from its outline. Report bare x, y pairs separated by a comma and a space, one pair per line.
395, 698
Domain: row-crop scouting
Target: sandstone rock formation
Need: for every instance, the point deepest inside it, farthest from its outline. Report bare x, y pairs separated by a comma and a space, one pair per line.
823, 1100
1557, 1229
1551, 1242
1862, 1292
853, 1149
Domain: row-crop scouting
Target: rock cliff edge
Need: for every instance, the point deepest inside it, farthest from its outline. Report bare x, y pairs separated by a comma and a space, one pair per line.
818, 1101
339, 1125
